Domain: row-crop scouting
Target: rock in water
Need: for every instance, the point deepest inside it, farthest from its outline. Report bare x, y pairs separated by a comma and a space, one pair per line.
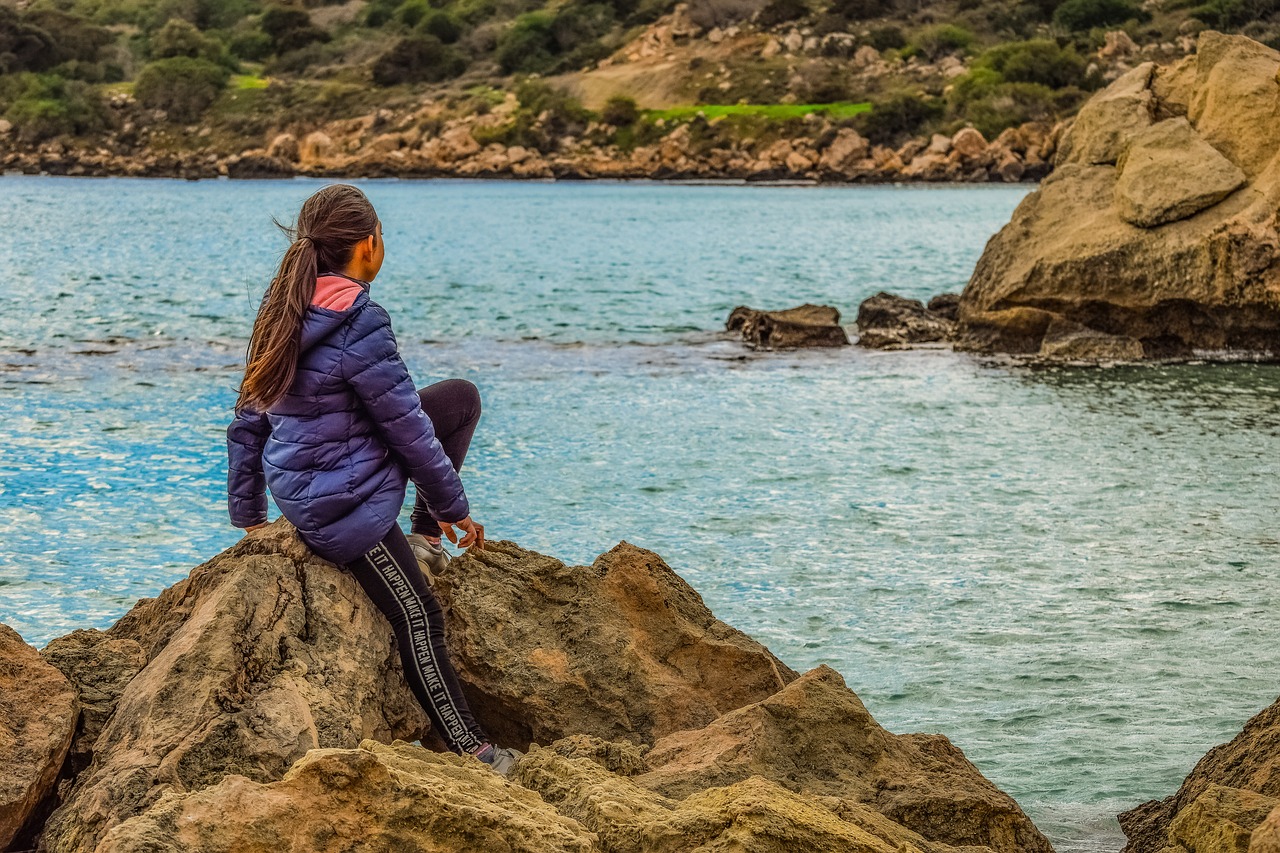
1158, 227
38, 712
886, 321
1226, 797
260, 655
622, 649
816, 738
803, 326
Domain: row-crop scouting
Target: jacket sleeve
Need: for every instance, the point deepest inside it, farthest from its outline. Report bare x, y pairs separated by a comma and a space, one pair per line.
373, 367
246, 486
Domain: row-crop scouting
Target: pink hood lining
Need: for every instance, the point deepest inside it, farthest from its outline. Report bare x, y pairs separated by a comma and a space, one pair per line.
335, 292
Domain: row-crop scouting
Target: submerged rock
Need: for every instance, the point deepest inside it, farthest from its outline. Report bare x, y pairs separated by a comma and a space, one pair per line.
1228, 796
1158, 225
38, 712
886, 321
803, 326
266, 676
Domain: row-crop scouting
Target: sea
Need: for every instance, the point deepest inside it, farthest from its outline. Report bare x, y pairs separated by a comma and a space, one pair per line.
1070, 572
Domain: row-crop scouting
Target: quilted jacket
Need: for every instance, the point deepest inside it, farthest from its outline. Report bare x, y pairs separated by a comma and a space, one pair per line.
337, 451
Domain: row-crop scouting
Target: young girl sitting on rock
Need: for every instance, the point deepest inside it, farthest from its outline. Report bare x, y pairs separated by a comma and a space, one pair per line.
329, 420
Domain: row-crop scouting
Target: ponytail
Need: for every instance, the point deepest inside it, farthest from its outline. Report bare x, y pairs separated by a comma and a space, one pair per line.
330, 224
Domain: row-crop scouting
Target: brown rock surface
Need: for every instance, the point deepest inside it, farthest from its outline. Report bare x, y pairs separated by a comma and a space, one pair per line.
886, 321
1250, 763
816, 737
1266, 837
259, 655
1206, 274
38, 712
622, 649
803, 326
396, 798
1169, 173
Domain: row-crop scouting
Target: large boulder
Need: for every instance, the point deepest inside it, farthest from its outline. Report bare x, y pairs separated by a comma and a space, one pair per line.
1159, 223
802, 326
816, 738
375, 797
622, 649
261, 654
38, 710
1227, 795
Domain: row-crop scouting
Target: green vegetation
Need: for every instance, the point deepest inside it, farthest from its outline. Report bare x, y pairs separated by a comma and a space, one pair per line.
181, 86
769, 111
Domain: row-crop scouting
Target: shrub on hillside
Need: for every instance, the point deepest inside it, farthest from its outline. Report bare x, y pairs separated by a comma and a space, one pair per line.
23, 45
418, 58
182, 38
442, 25
254, 45
1236, 13
898, 116
1079, 15
528, 45
778, 12
886, 38
46, 105
1038, 61
1011, 104
862, 10
933, 42
290, 29
722, 13
181, 86
620, 111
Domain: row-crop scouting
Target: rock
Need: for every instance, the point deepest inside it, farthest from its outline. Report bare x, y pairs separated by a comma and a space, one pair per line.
1227, 775
945, 305
99, 667
376, 797
1169, 173
1072, 342
1107, 121
939, 144
803, 326
1117, 45
752, 815
259, 655
886, 321
865, 57
315, 148
38, 710
845, 151
623, 649
968, 143
1161, 248
771, 49
793, 41
815, 737
284, 147
257, 164
6, 127
1266, 837
1235, 104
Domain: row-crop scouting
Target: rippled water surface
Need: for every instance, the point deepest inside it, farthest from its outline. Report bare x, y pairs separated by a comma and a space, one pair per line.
1071, 573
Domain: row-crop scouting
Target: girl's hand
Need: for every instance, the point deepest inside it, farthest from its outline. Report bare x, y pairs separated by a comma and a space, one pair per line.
474, 533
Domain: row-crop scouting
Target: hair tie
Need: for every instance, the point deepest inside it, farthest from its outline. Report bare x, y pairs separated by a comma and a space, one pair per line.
306, 237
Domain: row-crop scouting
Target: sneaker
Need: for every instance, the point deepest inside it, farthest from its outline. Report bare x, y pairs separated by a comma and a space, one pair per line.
499, 759
431, 557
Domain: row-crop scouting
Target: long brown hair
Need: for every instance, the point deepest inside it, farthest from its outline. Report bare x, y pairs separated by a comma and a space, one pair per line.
323, 239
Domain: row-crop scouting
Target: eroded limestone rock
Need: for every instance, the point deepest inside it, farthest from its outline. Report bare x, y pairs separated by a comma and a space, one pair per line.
886, 321
803, 326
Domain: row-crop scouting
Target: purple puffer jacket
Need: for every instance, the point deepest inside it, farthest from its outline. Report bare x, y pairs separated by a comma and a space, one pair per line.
338, 449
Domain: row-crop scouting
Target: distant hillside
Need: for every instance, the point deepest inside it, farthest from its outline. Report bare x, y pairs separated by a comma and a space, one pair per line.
224, 73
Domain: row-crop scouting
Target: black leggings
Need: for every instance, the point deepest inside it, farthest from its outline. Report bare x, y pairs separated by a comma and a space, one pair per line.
391, 578
454, 409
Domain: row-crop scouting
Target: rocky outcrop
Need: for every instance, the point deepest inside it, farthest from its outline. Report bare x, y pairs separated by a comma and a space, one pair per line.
816, 737
803, 326
38, 711
886, 321
622, 649
1158, 229
247, 707
1227, 796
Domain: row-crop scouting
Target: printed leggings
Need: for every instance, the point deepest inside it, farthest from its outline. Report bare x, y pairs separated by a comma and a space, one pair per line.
391, 578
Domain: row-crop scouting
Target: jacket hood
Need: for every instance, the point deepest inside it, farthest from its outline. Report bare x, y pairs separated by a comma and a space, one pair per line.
318, 322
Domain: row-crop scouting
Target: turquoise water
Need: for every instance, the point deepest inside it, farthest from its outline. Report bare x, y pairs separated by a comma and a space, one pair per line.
1068, 572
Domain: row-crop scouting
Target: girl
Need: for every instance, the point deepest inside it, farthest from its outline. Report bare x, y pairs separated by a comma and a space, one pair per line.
329, 420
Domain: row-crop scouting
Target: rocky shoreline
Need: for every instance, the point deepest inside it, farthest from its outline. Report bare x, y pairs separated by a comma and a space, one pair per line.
259, 705
419, 143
